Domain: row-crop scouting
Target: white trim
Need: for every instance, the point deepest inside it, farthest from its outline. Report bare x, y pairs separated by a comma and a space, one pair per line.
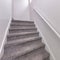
44, 40
4, 39
45, 18
47, 46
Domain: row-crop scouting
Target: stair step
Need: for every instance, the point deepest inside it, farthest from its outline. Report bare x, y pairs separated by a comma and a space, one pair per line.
19, 50
20, 41
38, 54
18, 26
16, 22
14, 30
22, 28
20, 21
22, 35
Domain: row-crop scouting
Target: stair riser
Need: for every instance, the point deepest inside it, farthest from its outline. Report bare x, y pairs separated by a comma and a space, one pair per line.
16, 27
23, 57
26, 22
26, 51
22, 30
15, 23
36, 43
22, 36
22, 24
22, 42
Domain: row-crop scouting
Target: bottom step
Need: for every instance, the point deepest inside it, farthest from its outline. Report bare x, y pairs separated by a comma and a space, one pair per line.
39, 54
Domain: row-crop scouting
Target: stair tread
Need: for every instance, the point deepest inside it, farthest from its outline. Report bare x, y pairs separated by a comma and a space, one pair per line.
13, 24
23, 28
23, 33
20, 41
17, 26
19, 50
22, 21
39, 54
12, 32
15, 36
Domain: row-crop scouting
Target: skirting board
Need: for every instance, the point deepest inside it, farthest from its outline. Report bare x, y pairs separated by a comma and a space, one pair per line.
47, 46
4, 39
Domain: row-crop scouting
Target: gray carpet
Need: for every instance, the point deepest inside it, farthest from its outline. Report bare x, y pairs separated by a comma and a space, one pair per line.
24, 42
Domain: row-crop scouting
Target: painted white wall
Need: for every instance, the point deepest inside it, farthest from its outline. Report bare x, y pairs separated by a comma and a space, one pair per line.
21, 10
50, 9
5, 16
51, 40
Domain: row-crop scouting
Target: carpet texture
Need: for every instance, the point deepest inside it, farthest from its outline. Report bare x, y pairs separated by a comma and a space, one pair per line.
24, 42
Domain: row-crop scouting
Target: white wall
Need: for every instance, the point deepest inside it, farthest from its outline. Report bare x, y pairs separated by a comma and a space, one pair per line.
50, 9
5, 16
21, 10
51, 40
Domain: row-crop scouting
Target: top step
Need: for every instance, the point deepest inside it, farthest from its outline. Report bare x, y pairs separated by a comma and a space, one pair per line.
20, 21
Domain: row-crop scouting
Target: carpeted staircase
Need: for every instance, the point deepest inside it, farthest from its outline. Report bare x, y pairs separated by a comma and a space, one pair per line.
24, 42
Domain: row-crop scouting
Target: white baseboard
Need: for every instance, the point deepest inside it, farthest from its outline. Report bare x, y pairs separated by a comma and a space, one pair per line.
4, 39
46, 44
